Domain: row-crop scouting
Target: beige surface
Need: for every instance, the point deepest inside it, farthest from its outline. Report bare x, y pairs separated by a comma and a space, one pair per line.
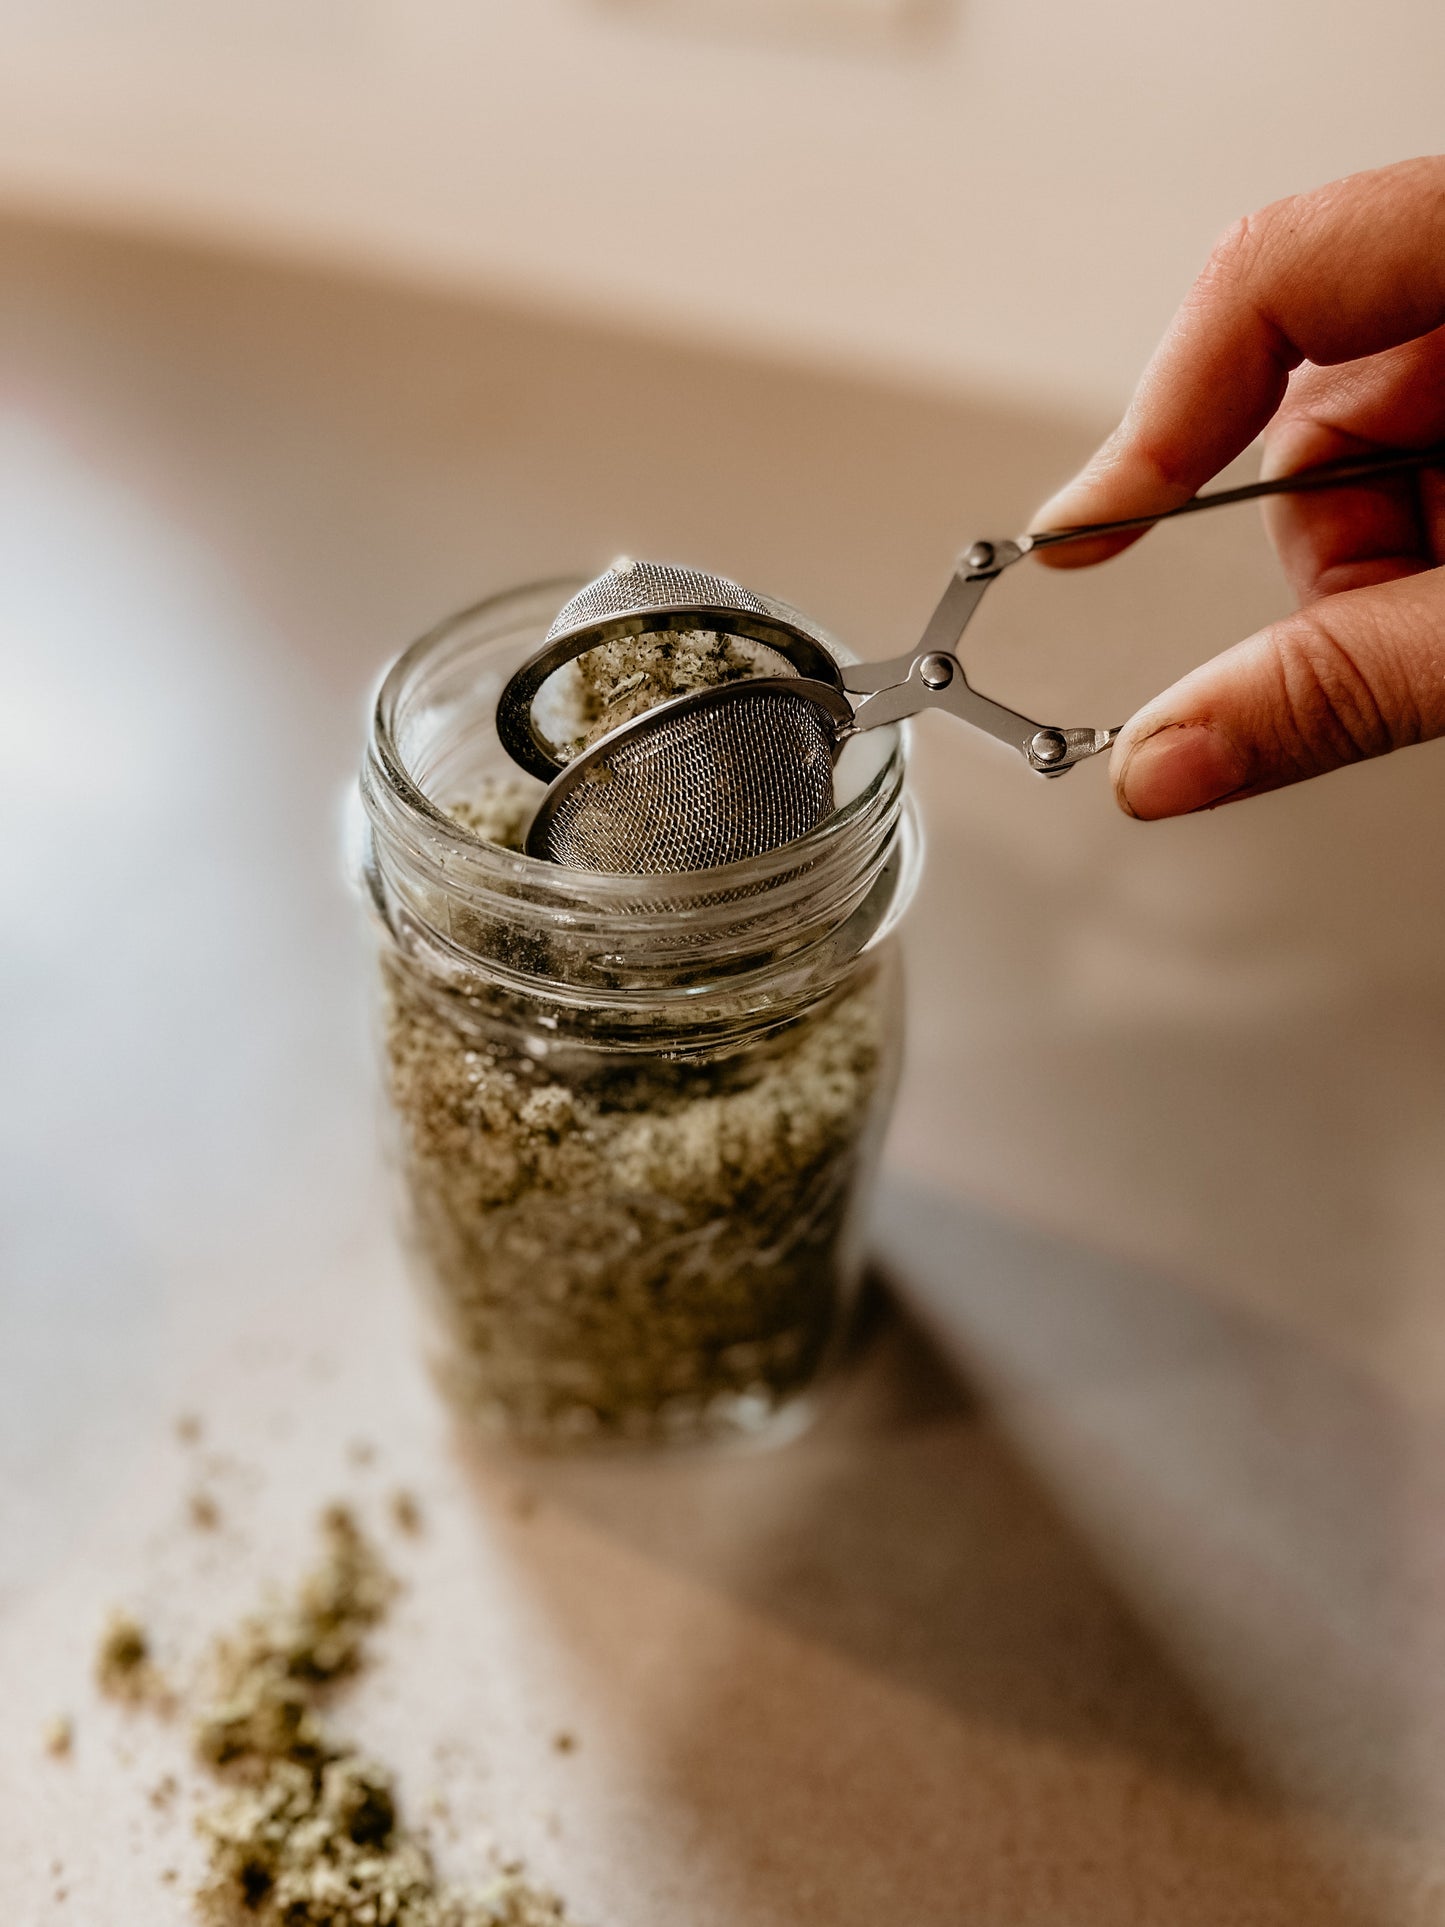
1014, 193
1120, 1600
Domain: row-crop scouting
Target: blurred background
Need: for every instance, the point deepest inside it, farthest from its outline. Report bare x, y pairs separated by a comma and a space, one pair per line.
318, 320
970, 193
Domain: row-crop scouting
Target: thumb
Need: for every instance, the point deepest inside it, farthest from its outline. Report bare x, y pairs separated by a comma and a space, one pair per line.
1351, 676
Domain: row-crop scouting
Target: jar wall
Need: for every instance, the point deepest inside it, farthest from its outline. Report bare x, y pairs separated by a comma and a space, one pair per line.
621, 1246
635, 1129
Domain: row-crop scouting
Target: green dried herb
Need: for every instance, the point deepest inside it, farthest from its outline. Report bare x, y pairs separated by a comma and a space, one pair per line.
59, 1737
630, 1247
124, 1668
619, 680
312, 1836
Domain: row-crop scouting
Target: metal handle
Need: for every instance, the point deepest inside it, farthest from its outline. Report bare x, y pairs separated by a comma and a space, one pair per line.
1351, 468
931, 676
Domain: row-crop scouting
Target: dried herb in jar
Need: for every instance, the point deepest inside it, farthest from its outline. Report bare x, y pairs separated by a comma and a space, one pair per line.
634, 1247
631, 1244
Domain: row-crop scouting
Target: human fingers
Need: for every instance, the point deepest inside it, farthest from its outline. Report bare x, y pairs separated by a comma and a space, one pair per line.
1346, 538
1350, 270
1350, 677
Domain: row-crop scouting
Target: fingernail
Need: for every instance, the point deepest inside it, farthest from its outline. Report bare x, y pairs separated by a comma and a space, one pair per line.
1179, 768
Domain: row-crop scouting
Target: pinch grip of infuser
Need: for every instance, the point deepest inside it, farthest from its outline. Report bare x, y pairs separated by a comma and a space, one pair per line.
932, 664
937, 681
1054, 752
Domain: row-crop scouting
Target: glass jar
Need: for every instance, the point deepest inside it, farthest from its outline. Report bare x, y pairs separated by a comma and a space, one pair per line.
635, 1120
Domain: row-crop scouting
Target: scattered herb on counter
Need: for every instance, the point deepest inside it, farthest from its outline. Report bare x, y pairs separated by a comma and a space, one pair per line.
59, 1737
264, 1677
406, 1513
203, 1512
124, 1668
310, 1834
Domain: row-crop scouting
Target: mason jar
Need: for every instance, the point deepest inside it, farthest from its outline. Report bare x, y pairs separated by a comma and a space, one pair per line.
635, 1120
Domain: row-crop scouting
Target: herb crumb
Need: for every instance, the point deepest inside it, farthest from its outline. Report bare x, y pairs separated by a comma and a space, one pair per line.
203, 1512
124, 1669
406, 1511
312, 1834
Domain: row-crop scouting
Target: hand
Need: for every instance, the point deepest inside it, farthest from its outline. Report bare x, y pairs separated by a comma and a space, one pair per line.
1319, 321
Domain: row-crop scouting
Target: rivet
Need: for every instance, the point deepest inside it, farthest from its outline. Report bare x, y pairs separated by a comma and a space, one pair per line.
1048, 746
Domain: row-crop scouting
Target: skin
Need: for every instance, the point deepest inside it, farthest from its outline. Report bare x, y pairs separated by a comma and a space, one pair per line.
1319, 322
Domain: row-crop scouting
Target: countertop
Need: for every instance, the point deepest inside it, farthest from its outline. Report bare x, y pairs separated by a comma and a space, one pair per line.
1109, 1586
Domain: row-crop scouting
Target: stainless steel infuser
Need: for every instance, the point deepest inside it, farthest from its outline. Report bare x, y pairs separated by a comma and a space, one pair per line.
736, 770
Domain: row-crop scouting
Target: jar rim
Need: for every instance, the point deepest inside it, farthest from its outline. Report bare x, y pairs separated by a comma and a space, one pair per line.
829, 867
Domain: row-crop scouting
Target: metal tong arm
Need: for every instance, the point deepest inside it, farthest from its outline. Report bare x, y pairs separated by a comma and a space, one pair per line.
1303, 481
932, 677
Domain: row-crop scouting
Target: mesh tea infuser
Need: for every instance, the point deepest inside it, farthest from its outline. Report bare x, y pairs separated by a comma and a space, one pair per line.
739, 769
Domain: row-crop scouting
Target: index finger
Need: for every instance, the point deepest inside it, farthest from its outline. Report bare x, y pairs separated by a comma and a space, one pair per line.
1347, 271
